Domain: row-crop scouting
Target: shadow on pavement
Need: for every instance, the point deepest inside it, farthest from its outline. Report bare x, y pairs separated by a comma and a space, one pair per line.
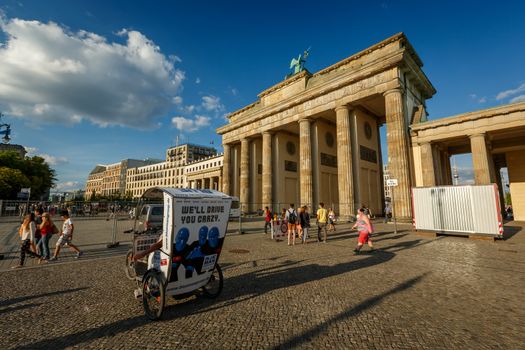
4, 311
389, 238
306, 336
38, 296
244, 287
510, 231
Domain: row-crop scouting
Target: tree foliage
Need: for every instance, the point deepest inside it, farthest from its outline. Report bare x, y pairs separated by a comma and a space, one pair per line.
39, 175
11, 181
508, 198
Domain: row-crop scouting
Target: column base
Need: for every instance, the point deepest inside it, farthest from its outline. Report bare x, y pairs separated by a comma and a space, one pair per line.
403, 219
345, 218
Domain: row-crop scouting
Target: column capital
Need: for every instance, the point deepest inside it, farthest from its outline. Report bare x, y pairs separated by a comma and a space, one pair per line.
268, 132
397, 90
305, 119
341, 108
478, 134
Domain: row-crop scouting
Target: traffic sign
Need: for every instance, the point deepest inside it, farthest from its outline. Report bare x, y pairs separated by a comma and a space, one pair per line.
391, 182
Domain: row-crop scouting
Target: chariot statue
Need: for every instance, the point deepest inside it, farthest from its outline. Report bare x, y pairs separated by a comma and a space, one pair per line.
297, 64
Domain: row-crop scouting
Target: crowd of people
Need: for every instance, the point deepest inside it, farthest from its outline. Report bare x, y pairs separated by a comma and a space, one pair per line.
36, 232
298, 222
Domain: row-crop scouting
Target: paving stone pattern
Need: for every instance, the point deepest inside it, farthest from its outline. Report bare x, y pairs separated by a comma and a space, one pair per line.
412, 293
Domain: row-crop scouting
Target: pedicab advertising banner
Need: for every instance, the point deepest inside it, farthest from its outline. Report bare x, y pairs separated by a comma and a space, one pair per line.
195, 223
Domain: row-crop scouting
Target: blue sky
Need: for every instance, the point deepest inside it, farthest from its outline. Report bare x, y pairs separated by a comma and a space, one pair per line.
108, 80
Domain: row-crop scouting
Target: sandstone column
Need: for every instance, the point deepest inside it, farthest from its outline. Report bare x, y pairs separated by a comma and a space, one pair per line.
480, 159
226, 170
267, 170
305, 160
398, 162
245, 173
344, 163
427, 165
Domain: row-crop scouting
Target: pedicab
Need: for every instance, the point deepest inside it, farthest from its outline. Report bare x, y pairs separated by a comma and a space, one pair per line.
192, 234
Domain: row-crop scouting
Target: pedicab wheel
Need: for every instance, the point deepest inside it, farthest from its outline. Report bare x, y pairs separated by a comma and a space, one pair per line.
130, 265
153, 295
214, 286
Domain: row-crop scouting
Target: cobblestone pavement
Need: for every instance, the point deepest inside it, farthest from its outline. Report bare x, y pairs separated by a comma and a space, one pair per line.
412, 293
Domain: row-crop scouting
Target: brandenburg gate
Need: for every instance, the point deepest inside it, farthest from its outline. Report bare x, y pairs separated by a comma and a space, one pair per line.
315, 137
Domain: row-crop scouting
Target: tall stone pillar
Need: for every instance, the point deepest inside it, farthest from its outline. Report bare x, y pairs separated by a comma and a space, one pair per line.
398, 162
245, 173
480, 159
448, 169
267, 175
226, 169
305, 161
344, 163
427, 165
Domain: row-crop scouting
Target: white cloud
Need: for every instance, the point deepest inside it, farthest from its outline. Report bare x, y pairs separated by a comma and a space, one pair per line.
520, 98
52, 160
479, 100
212, 103
198, 80
177, 100
50, 74
507, 93
190, 125
234, 92
68, 186
31, 151
187, 109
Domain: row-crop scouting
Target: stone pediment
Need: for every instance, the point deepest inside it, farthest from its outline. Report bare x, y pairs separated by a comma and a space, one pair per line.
386, 55
285, 89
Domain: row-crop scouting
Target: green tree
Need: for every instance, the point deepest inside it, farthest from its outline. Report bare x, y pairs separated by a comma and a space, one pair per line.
41, 175
508, 198
35, 169
11, 181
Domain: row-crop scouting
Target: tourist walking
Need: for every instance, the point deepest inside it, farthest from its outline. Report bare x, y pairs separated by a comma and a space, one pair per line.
331, 220
322, 217
46, 230
291, 218
388, 212
304, 221
364, 227
267, 220
38, 221
66, 236
27, 235
366, 210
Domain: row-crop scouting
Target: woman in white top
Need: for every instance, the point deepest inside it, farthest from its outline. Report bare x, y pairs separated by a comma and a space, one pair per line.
331, 220
27, 235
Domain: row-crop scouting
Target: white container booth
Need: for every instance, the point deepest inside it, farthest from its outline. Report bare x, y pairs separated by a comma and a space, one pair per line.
192, 234
468, 210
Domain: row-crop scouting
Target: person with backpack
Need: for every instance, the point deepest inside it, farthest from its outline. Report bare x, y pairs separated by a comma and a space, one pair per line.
291, 218
304, 220
267, 219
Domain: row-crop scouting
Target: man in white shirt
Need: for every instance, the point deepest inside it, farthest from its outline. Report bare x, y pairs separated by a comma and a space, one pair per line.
66, 236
